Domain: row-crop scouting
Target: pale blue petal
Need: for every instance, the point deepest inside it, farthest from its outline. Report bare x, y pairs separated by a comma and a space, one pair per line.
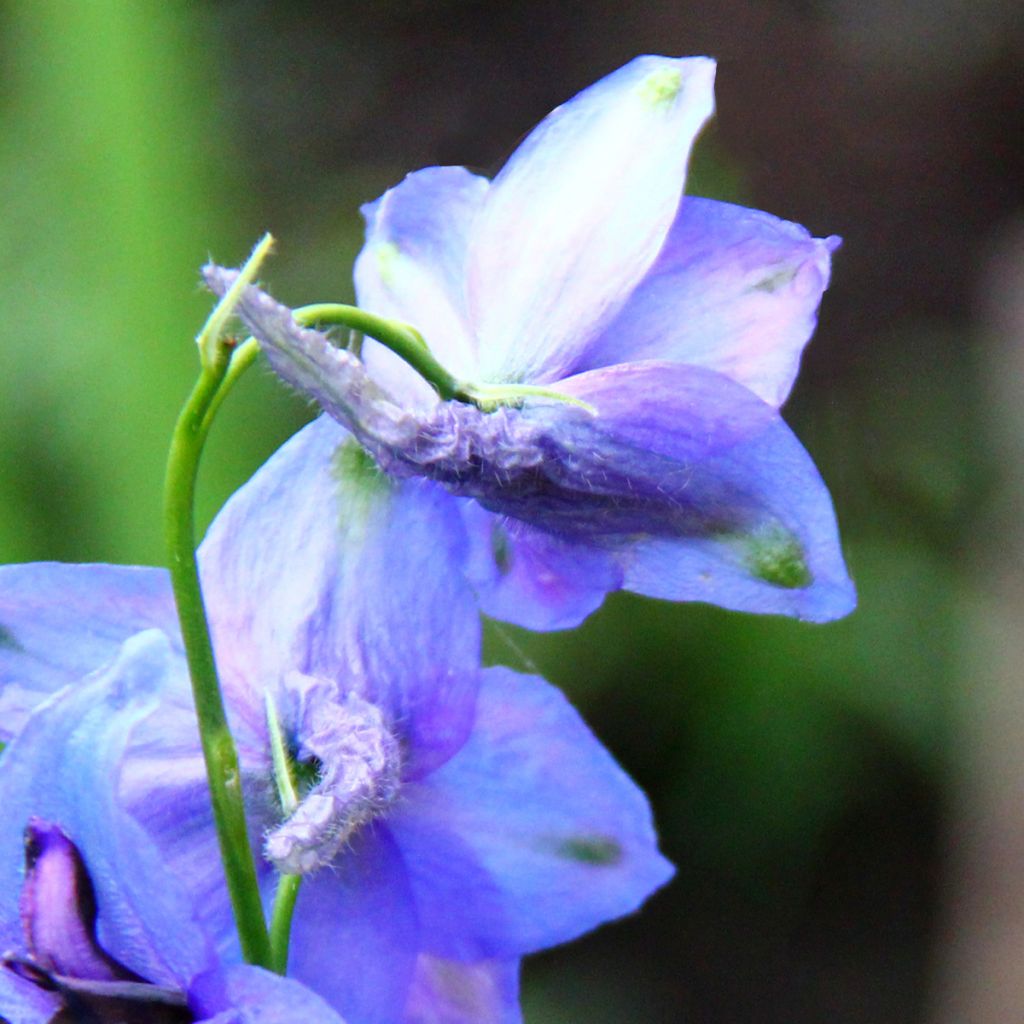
579, 213
324, 566
700, 488
413, 269
734, 290
530, 835
60, 622
250, 995
533, 578
450, 992
63, 767
355, 935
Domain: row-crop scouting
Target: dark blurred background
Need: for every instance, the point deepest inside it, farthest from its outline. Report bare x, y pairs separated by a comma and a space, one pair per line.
845, 803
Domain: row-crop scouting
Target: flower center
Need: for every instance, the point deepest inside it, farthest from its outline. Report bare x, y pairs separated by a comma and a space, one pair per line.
357, 763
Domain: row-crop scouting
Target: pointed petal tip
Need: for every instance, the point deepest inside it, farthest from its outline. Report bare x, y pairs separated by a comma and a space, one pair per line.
831, 601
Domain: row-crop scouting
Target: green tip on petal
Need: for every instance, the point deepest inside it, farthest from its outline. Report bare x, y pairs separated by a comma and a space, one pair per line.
601, 851
775, 280
775, 556
501, 549
387, 255
361, 482
354, 467
8, 641
660, 88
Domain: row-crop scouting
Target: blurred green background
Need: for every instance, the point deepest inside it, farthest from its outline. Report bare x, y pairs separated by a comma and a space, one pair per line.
819, 788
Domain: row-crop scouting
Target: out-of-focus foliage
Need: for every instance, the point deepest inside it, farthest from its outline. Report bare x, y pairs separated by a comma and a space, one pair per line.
118, 181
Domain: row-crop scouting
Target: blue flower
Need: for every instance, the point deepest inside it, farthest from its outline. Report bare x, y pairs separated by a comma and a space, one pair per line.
452, 819
154, 964
677, 327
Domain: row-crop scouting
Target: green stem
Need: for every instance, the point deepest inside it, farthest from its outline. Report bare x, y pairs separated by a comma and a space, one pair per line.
219, 751
281, 921
403, 340
407, 343
241, 359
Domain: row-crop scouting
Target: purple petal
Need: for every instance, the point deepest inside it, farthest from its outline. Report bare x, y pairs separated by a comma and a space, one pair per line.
322, 565
63, 766
58, 909
355, 934
530, 835
449, 992
533, 578
60, 622
699, 487
250, 995
24, 1002
734, 290
579, 213
413, 268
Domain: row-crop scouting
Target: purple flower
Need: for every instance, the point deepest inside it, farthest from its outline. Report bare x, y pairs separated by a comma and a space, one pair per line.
153, 963
451, 820
676, 326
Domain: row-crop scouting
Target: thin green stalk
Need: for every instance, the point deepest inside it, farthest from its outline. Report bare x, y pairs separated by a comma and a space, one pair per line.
219, 751
287, 885
241, 359
403, 340
281, 921
407, 343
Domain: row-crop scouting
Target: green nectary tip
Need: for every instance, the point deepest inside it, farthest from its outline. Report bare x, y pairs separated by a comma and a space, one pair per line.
8, 641
661, 87
776, 557
501, 550
387, 254
354, 466
601, 851
362, 485
775, 280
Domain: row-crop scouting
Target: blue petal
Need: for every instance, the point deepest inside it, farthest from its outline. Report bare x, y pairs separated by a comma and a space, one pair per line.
530, 835
579, 213
164, 788
355, 935
412, 269
699, 487
734, 290
250, 995
449, 992
63, 766
60, 622
322, 565
532, 578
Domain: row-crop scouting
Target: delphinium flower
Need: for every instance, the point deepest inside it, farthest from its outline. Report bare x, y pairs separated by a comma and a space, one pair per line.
446, 820
68, 850
620, 353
